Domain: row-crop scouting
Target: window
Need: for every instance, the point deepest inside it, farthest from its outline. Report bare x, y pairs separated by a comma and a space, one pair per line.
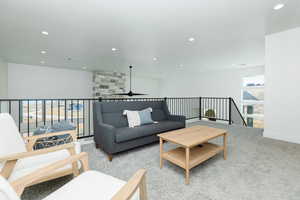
253, 100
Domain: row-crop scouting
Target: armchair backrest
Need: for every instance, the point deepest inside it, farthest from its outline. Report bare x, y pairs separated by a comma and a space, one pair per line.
6, 190
112, 112
11, 140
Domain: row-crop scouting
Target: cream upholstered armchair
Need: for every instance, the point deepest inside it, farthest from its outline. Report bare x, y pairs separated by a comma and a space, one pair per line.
88, 185
17, 157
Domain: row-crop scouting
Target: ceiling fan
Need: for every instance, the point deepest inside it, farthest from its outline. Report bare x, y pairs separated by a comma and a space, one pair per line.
130, 93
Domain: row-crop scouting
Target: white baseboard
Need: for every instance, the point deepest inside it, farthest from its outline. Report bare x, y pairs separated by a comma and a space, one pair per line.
276, 136
86, 141
192, 120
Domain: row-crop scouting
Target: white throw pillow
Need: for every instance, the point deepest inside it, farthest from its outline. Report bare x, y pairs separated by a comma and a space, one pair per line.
133, 118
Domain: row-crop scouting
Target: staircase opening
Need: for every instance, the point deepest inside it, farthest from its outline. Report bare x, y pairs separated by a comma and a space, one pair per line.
252, 102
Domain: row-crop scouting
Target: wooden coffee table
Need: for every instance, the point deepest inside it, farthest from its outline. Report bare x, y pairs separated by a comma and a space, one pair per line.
190, 153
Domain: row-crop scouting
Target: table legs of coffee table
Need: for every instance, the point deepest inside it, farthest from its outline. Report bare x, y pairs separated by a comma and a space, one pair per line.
225, 146
161, 149
187, 166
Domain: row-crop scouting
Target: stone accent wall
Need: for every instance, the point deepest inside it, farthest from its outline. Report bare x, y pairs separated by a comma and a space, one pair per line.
105, 84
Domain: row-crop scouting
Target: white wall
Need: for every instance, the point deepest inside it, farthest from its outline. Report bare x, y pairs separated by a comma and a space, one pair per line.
282, 96
145, 85
27, 81
214, 83
3, 79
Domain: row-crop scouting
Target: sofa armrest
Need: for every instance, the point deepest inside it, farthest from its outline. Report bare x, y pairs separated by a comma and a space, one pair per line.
105, 136
20, 184
177, 118
106, 128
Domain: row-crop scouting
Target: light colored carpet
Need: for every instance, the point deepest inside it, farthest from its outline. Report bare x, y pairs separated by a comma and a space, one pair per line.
257, 168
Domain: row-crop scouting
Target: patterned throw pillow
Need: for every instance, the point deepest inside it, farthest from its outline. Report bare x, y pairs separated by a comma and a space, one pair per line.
54, 140
137, 118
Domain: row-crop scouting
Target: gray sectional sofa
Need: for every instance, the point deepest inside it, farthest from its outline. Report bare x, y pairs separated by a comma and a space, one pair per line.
111, 131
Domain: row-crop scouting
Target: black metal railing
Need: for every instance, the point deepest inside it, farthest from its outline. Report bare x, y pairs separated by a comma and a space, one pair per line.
30, 114
235, 115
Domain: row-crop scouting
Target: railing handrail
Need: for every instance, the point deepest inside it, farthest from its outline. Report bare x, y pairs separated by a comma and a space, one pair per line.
240, 114
94, 98
45, 99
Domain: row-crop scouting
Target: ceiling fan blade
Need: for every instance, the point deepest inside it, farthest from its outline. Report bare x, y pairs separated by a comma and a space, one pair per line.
130, 93
121, 94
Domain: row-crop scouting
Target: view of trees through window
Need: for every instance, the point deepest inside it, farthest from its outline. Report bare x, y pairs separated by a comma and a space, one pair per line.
253, 100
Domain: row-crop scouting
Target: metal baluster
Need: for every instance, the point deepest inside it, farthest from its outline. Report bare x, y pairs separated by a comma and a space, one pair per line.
66, 117
72, 110
9, 107
83, 117
230, 119
44, 111
28, 128
36, 113
20, 110
89, 102
51, 101
58, 107
78, 132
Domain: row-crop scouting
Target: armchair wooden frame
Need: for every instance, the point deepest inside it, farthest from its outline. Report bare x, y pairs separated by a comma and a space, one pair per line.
31, 140
11, 160
138, 180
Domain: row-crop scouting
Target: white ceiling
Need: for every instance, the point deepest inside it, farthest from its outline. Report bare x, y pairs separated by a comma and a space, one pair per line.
226, 32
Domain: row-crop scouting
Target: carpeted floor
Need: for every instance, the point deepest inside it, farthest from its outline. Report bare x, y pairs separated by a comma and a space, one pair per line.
257, 169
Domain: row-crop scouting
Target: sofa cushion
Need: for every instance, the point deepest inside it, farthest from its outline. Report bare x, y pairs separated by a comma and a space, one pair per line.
6, 190
126, 134
112, 112
117, 120
30, 164
11, 141
159, 115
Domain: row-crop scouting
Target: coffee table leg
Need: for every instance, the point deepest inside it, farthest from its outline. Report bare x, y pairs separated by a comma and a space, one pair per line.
161, 152
225, 146
187, 166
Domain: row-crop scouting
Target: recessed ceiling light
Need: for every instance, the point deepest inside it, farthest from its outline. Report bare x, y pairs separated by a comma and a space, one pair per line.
43, 52
42, 62
114, 49
191, 39
45, 33
84, 67
278, 6
155, 59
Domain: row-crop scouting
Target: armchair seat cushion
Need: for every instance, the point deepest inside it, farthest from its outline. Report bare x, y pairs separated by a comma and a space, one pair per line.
126, 134
30, 164
90, 185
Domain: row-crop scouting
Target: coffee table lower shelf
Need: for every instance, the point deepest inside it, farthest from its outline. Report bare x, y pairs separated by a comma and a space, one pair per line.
197, 155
